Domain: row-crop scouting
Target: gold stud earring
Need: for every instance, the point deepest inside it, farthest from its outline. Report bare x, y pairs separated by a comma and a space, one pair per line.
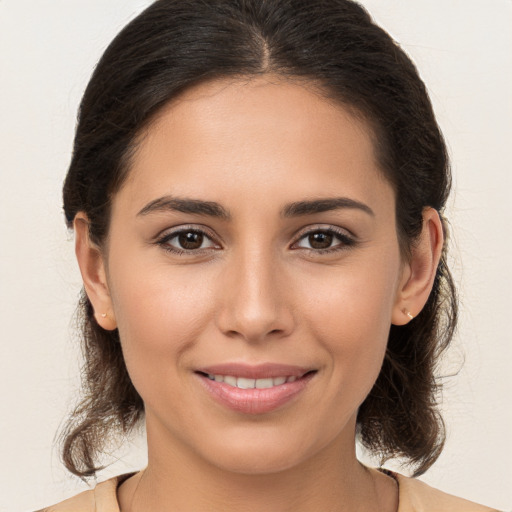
103, 315
408, 314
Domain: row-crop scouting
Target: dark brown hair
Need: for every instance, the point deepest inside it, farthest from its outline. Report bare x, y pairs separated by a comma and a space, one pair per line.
333, 44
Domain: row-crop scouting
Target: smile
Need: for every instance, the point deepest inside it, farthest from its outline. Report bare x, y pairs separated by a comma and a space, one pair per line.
255, 389
245, 383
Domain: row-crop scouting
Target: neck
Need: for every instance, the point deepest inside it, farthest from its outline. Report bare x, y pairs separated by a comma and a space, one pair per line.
332, 480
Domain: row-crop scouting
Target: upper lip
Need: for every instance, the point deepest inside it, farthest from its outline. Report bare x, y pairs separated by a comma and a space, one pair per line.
257, 371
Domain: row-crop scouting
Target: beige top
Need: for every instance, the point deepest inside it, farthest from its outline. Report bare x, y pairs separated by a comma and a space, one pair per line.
414, 496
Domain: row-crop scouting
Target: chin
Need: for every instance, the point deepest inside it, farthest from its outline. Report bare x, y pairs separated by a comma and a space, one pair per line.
261, 451
258, 461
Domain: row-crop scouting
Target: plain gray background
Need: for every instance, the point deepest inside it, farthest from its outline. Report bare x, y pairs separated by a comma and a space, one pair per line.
48, 49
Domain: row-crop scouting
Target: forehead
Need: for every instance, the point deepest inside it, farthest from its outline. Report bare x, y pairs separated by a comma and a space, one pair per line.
259, 133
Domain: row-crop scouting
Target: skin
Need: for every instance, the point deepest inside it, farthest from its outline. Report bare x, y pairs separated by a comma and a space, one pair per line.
257, 290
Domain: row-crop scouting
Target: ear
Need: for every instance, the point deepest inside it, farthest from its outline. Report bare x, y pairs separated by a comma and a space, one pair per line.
419, 272
92, 267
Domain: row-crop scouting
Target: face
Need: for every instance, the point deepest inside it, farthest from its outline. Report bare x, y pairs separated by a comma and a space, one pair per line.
253, 267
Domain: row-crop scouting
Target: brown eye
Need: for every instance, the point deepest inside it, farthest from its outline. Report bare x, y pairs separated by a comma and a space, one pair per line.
190, 240
325, 240
187, 241
320, 240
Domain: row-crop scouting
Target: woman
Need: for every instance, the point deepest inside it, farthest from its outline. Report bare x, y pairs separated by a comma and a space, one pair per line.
257, 192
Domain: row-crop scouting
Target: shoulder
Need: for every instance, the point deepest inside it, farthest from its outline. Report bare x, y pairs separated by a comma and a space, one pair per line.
83, 502
103, 498
417, 496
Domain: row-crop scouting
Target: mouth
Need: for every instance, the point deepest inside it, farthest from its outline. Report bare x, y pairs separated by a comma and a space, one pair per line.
255, 390
245, 383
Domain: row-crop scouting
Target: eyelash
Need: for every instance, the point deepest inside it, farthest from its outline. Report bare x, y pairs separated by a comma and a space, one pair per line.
345, 241
164, 240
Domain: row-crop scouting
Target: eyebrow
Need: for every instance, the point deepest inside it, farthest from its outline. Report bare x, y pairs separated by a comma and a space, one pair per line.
184, 205
213, 209
324, 205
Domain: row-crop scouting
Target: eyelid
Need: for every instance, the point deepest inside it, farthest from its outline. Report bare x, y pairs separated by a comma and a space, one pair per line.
167, 234
324, 227
347, 239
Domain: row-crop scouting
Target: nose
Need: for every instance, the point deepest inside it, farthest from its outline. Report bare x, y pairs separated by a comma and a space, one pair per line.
254, 299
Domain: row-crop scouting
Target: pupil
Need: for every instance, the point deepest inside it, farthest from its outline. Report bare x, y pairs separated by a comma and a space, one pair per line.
190, 240
320, 240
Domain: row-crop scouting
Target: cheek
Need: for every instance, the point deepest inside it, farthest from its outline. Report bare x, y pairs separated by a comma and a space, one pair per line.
349, 313
160, 313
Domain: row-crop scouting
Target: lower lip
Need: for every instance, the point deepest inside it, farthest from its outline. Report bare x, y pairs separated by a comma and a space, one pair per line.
255, 401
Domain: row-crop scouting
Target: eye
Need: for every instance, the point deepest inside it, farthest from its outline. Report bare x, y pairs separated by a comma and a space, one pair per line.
325, 240
186, 240
318, 240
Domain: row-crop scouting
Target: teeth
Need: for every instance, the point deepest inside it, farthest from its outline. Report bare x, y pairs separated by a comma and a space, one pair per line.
264, 383
244, 383
230, 380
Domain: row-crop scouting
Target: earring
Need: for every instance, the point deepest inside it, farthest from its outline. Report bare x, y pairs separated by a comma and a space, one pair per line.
408, 314
103, 315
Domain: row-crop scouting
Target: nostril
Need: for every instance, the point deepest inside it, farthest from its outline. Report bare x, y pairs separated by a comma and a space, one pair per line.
254, 322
